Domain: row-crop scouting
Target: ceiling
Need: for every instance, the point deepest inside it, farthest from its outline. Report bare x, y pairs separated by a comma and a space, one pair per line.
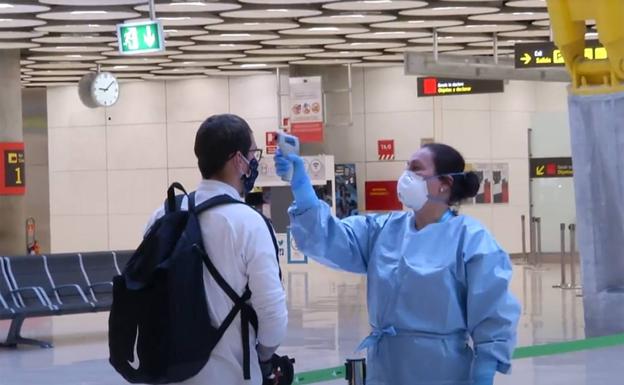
63, 39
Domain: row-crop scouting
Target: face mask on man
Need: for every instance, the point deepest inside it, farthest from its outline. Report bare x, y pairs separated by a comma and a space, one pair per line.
249, 179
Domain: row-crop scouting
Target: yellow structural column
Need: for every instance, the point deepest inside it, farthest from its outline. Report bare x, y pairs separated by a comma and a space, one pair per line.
568, 19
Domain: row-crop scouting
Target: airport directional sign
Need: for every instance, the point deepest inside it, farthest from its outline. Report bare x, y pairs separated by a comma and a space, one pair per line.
139, 38
538, 55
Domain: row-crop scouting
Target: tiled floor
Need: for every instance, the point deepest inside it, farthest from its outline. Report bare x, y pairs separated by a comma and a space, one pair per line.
327, 320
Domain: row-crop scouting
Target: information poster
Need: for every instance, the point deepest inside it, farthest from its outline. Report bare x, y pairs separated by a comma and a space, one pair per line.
346, 191
382, 196
306, 109
500, 183
12, 169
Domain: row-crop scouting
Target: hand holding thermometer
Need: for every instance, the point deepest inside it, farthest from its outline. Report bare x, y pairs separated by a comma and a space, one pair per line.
288, 144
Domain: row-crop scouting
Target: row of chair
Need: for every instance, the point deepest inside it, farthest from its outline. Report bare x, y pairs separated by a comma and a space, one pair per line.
55, 284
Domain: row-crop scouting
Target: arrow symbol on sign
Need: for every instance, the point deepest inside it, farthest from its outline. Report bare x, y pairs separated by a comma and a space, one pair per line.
540, 170
149, 37
526, 59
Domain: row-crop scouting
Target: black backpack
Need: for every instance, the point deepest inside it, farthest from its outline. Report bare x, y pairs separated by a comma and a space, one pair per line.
160, 307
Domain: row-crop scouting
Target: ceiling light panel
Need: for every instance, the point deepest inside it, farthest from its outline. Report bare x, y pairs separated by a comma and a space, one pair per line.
16, 35
344, 54
191, 6
135, 61
7, 22
506, 43
511, 16
167, 52
180, 71
183, 32
129, 68
484, 28
285, 2
55, 79
527, 3
425, 48
325, 30
267, 59
194, 64
418, 24
479, 52
98, 3
323, 62
72, 49
527, 33
91, 13
254, 66
65, 58
284, 51
271, 13
390, 35
238, 73
388, 57
13, 8
58, 72
443, 10
365, 46
235, 36
253, 26
374, 5
303, 41
75, 39
17, 44
77, 28
220, 47
457, 39
349, 18
207, 56
60, 65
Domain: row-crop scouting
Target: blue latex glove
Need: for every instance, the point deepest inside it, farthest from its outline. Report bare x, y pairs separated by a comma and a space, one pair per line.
484, 371
302, 189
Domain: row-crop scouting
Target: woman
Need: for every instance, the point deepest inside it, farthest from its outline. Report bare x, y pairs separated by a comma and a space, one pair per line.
438, 297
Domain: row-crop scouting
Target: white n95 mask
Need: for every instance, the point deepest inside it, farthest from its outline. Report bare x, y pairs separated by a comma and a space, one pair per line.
412, 190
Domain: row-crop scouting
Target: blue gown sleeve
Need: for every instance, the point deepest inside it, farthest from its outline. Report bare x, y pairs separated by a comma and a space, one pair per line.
341, 244
492, 311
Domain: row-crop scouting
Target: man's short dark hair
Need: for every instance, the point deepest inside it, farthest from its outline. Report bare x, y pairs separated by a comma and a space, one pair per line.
218, 139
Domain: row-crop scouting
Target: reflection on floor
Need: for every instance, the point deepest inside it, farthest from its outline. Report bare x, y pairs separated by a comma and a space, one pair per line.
327, 321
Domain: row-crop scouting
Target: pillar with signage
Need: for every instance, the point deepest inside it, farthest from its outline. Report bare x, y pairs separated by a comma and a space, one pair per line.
12, 170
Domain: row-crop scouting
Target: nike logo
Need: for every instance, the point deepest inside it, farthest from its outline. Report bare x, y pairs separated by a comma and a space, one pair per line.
135, 362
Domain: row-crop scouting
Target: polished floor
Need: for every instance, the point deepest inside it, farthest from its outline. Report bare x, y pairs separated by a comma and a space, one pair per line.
327, 321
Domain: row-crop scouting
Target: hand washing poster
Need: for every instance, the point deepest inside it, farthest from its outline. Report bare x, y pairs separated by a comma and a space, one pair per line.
306, 109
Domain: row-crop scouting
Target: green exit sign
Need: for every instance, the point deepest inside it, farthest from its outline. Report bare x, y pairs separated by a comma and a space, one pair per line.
138, 38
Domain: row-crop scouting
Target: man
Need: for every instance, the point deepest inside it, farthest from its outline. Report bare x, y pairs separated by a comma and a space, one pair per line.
238, 242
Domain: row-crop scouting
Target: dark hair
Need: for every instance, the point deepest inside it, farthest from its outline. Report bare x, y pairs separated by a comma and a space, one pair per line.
218, 139
448, 160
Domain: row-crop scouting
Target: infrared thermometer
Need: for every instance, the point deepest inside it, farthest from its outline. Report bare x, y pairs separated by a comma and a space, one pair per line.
288, 144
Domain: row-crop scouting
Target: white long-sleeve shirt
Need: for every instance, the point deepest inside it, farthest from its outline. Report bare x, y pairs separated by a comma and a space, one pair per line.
239, 244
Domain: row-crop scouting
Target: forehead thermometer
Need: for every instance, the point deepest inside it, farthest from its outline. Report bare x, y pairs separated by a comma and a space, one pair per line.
288, 144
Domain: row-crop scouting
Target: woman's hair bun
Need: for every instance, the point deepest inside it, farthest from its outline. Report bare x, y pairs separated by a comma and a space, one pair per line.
470, 185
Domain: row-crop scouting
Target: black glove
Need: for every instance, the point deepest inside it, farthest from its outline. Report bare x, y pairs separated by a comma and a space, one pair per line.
279, 370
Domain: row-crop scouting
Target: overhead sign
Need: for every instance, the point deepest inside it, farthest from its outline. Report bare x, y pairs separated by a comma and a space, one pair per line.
385, 149
432, 86
306, 109
139, 38
537, 55
12, 169
551, 168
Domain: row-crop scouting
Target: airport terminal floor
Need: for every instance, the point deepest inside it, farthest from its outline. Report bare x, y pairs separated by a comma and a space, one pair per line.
327, 313
511, 111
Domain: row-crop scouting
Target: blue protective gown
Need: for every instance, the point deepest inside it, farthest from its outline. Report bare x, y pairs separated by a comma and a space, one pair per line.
430, 291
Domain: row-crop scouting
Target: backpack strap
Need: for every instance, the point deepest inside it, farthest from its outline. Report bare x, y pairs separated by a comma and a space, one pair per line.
248, 314
173, 202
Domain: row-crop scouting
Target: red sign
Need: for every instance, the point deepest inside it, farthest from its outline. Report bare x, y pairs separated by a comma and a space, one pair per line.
12, 169
382, 196
385, 149
271, 142
307, 132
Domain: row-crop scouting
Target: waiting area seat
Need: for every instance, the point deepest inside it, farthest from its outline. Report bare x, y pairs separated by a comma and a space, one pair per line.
55, 284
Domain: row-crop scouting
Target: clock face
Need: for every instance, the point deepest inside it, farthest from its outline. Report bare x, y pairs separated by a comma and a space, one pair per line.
105, 89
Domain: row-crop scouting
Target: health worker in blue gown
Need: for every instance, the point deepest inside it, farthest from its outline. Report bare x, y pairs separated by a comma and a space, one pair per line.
438, 283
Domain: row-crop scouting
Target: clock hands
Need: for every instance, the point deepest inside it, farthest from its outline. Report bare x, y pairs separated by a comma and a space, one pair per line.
109, 86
